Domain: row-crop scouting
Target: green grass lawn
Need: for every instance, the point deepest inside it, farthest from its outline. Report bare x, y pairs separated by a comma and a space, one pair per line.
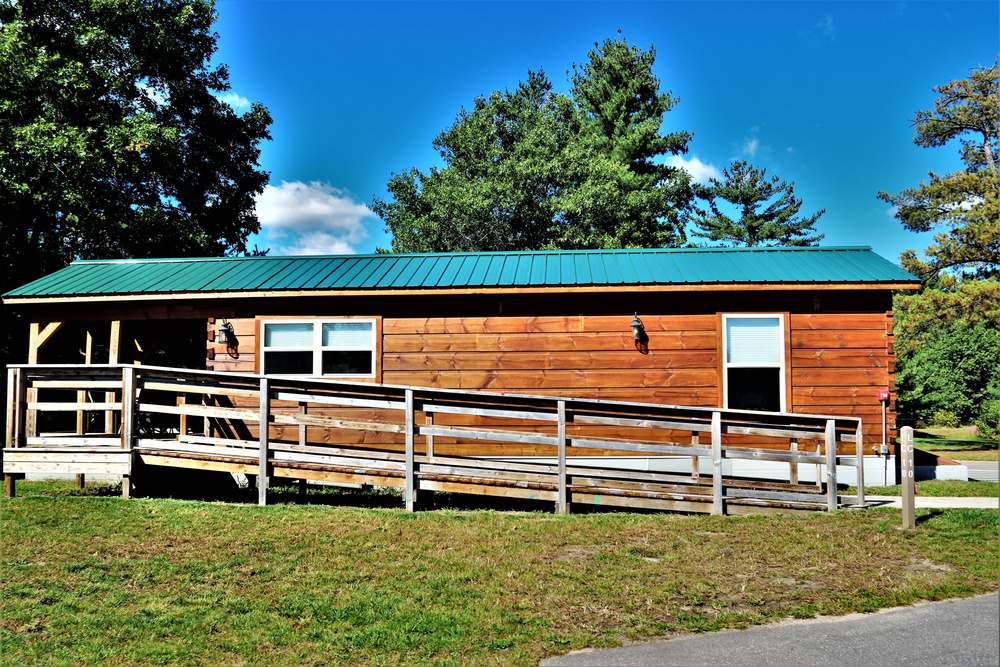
101, 580
956, 443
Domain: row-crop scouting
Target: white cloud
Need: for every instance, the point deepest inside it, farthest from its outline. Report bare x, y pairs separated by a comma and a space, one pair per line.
239, 103
826, 26
750, 147
699, 170
311, 218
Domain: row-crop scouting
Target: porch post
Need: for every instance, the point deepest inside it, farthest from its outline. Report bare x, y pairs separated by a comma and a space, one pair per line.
113, 348
14, 437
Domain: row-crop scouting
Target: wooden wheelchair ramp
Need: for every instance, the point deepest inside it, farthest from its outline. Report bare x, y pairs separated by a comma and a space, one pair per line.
105, 419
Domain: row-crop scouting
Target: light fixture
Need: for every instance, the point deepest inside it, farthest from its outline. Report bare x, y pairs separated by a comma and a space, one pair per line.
638, 333
226, 333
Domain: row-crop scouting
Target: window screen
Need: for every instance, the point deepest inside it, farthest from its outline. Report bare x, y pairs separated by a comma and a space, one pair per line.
319, 347
754, 363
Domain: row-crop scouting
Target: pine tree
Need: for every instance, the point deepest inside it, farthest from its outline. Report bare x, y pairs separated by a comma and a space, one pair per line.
767, 208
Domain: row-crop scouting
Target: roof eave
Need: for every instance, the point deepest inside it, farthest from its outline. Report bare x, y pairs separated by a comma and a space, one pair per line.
14, 300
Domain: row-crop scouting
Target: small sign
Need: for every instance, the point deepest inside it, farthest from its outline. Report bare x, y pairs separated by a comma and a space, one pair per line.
883, 395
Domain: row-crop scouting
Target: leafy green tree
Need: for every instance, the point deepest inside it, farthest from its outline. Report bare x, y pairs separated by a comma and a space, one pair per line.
114, 141
945, 333
503, 171
768, 209
953, 373
623, 194
531, 168
966, 204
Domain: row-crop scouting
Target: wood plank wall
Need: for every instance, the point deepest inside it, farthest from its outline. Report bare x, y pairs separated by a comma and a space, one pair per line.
837, 361
584, 356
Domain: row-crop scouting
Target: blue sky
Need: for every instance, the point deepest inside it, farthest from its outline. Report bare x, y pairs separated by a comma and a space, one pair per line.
821, 94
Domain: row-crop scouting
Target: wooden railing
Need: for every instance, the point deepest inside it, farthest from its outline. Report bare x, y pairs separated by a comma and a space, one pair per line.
567, 451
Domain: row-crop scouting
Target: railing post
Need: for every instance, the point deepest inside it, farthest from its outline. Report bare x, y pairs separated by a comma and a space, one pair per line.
860, 453
695, 472
265, 423
128, 426
793, 467
429, 439
410, 488
831, 464
562, 506
718, 507
15, 408
14, 437
906, 478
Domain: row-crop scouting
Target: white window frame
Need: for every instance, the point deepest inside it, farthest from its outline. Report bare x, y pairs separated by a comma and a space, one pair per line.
782, 354
317, 347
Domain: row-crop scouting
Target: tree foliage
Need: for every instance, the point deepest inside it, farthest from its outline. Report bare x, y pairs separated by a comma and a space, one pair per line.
530, 168
965, 204
954, 373
946, 334
768, 209
113, 140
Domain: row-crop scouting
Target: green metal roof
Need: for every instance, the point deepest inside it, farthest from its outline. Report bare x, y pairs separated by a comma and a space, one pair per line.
541, 269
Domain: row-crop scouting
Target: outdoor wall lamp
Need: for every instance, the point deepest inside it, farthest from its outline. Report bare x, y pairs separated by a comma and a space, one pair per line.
226, 336
638, 332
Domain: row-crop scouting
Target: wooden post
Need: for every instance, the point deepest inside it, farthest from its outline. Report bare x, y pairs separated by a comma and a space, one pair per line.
182, 418
113, 348
411, 487
303, 429
718, 507
81, 396
31, 395
38, 336
859, 448
562, 504
128, 425
303, 441
906, 478
13, 437
793, 467
206, 400
695, 472
819, 469
831, 464
429, 420
265, 424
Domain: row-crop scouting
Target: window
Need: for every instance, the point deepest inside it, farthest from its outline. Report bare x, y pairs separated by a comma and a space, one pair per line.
754, 362
318, 347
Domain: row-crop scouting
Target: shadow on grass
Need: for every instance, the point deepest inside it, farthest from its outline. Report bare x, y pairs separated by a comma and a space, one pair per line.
928, 439
932, 514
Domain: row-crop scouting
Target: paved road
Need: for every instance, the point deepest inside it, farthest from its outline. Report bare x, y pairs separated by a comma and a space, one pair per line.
953, 633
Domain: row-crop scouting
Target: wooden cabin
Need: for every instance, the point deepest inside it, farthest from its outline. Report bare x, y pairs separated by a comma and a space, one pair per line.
789, 330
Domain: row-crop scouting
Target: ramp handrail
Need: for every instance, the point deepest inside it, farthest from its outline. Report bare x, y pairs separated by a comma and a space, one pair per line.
134, 397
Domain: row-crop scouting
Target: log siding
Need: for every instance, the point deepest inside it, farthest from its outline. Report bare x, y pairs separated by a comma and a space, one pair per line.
835, 363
